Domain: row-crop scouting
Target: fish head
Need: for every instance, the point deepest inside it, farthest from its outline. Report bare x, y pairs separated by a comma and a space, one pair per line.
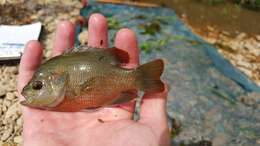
45, 90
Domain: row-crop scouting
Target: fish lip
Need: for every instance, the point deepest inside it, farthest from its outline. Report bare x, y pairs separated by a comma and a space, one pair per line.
23, 92
25, 103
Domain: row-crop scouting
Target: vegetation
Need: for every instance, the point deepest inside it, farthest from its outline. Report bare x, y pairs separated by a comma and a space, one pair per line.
253, 4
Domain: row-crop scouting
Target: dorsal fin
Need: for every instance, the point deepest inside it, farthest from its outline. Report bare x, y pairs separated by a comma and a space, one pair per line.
79, 48
113, 55
121, 55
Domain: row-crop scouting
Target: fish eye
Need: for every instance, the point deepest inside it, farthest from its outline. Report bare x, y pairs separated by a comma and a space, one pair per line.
37, 85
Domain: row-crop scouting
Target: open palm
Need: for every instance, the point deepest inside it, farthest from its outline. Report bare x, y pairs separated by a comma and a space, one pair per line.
110, 126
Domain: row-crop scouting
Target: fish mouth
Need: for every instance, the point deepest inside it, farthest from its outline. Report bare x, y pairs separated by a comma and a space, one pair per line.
30, 105
26, 103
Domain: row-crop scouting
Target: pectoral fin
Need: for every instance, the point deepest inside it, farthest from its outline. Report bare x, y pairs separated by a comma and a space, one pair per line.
85, 86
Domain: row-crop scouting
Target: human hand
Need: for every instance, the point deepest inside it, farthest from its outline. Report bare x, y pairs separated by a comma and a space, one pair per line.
109, 126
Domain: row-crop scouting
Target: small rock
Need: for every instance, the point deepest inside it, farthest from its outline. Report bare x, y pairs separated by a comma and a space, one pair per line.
48, 19
7, 134
75, 12
19, 121
83, 37
11, 69
225, 33
18, 139
258, 37
4, 108
2, 92
210, 28
241, 36
211, 40
7, 103
10, 96
12, 111
184, 16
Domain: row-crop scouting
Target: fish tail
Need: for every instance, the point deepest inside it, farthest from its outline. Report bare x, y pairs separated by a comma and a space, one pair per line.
149, 76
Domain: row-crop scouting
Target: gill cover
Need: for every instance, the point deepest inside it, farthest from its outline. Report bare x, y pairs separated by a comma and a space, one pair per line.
52, 93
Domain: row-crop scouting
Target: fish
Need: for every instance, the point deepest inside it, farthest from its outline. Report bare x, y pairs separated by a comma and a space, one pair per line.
90, 78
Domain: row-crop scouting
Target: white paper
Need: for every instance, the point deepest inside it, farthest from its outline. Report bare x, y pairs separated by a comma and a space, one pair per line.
13, 39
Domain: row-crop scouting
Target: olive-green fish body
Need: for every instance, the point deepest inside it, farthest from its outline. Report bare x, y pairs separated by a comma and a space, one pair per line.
89, 79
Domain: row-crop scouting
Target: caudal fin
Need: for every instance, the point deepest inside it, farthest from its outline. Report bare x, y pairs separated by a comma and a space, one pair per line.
149, 76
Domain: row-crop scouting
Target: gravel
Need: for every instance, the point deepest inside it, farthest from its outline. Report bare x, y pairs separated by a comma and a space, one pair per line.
243, 51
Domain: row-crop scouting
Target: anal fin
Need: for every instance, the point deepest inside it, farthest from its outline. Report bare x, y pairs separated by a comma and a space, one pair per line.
124, 97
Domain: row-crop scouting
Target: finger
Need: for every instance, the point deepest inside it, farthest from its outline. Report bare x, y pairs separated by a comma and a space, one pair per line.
64, 37
97, 31
30, 61
126, 40
153, 113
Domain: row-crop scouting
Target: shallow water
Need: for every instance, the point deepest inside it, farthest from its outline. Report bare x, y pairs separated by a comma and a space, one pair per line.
225, 15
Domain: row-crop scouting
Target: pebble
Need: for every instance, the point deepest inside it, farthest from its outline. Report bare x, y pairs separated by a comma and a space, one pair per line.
18, 139
2, 92
7, 134
11, 70
210, 28
10, 96
258, 37
242, 51
241, 36
83, 37
13, 111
